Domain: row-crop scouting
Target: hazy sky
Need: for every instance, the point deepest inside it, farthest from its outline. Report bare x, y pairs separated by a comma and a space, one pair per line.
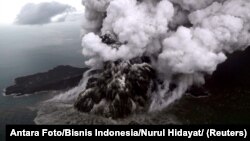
9, 9
35, 35
26, 30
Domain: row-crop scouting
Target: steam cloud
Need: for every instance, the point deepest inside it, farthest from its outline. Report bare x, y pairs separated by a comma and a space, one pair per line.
186, 39
42, 13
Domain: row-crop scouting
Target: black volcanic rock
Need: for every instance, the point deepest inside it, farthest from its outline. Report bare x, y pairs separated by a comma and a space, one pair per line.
59, 78
118, 89
234, 72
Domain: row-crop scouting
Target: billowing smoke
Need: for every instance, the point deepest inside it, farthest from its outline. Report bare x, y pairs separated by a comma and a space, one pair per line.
185, 39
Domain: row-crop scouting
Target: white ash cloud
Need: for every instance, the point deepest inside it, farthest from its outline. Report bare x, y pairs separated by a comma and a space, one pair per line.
189, 38
42, 13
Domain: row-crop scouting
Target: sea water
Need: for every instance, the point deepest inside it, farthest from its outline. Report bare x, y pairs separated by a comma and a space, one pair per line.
29, 50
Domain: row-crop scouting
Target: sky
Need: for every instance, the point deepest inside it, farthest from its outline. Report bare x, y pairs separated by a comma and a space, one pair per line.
9, 9
26, 28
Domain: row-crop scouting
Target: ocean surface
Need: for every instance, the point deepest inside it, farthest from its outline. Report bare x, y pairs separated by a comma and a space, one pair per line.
29, 50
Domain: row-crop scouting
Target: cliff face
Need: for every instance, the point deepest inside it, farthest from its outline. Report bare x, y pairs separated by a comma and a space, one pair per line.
59, 78
118, 89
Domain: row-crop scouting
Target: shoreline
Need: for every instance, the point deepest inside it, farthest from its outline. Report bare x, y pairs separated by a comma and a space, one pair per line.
59, 78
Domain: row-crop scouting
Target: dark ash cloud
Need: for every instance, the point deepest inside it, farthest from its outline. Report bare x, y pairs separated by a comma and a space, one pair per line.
42, 13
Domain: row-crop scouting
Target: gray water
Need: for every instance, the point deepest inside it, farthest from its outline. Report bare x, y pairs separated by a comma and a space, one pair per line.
28, 50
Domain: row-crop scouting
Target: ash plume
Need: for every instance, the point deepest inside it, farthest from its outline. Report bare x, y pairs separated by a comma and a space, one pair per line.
146, 54
185, 39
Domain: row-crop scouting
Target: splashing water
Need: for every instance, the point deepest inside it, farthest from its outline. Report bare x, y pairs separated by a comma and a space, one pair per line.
71, 95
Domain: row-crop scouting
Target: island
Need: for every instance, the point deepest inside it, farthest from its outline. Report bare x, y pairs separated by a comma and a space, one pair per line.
122, 89
59, 78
